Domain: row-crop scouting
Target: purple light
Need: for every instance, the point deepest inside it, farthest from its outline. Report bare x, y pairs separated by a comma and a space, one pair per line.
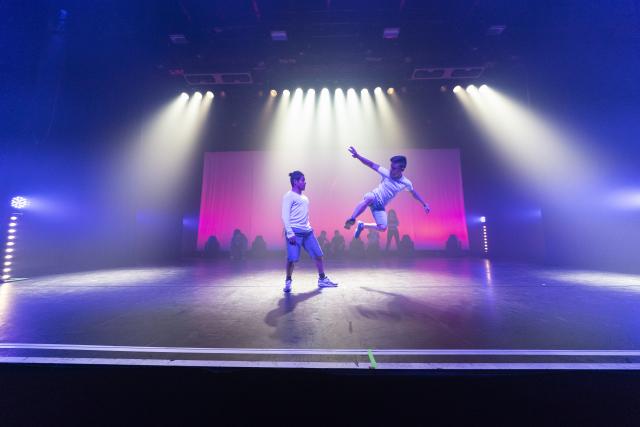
279, 36
391, 33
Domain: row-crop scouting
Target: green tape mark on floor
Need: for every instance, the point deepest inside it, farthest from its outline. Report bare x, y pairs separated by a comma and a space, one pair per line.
372, 360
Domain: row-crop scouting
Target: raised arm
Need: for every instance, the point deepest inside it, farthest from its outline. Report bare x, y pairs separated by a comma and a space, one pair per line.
417, 196
364, 161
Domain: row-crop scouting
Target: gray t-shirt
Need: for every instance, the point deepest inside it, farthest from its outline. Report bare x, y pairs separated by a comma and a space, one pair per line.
389, 187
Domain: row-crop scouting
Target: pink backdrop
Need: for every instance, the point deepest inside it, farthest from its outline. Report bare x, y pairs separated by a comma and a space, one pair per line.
244, 190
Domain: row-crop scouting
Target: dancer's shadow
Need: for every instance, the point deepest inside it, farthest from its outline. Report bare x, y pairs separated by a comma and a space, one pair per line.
287, 304
401, 308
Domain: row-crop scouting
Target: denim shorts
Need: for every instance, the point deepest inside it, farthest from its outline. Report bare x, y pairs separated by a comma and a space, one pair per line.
306, 240
376, 205
377, 210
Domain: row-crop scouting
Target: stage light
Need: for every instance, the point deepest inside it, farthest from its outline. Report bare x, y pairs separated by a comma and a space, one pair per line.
391, 91
377, 90
273, 92
306, 115
483, 219
19, 202
279, 36
6, 277
10, 245
625, 199
209, 94
6, 270
286, 92
550, 161
457, 89
184, 95
391, 33
496, 30
485, 241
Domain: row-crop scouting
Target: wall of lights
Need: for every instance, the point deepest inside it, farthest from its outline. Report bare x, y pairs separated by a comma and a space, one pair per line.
485, 239
8, 264
10, 247
285, 92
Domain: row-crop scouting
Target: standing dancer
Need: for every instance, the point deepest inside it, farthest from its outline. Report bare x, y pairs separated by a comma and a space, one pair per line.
392, 229
298, 231
391, 184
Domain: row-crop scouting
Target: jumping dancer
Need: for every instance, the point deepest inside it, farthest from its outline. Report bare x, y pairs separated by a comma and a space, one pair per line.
391, 184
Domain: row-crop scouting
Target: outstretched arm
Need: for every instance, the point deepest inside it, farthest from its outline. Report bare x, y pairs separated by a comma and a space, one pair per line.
417, 196
364, 161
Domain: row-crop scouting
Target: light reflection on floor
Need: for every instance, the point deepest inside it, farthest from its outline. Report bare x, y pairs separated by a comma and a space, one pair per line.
414, 304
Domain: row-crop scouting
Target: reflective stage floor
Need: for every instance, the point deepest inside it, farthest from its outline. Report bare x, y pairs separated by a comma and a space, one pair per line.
429, 313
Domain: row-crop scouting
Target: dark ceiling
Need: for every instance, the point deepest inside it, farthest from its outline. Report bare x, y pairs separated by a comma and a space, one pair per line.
327, 40
334, 40
331, 40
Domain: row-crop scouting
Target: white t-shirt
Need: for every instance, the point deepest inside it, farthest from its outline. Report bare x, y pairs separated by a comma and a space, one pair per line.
389, 187
295, 212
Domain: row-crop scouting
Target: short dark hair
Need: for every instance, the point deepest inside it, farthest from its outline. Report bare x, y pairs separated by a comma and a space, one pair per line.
399, 159
294, 176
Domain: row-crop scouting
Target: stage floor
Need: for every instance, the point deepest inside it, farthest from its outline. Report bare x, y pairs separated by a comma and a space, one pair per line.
429, 313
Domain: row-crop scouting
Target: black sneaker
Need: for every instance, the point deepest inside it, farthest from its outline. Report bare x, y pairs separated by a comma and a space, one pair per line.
349, 223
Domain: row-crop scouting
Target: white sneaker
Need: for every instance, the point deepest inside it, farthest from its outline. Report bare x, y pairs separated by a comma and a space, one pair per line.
287, 285
326, 283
